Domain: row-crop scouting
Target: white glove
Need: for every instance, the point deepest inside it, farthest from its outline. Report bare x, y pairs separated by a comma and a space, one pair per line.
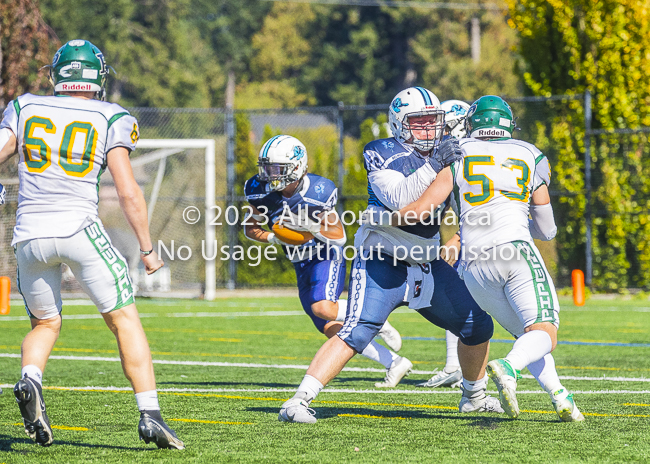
274, 240
2, 194
300, 223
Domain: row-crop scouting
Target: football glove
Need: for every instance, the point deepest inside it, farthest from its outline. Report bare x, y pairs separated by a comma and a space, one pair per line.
447, 153
301, 223
3, 192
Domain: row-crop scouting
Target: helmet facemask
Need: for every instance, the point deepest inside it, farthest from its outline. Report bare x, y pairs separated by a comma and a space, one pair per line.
278, 175
433, 129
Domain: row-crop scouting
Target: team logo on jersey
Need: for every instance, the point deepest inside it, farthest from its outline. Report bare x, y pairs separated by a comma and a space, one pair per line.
397, 104
319, 189
135, 133
388, 145
298, 153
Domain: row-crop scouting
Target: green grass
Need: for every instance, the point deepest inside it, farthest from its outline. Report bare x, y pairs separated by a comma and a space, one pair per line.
220, 424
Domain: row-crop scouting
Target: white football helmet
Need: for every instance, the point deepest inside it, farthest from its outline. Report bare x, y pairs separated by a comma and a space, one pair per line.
415, 101
282, 160
455, 113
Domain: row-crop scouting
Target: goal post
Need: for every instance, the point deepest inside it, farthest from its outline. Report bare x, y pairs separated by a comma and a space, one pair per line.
169, 147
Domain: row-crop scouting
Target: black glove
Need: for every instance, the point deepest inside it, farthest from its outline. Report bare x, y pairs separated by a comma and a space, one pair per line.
2, 194
447, 153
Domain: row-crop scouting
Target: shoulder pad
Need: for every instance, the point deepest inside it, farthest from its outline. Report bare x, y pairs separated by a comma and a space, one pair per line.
254, 189
321, 191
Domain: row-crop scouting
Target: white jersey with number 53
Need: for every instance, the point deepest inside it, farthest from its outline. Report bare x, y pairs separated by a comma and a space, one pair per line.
493, 184
62, 143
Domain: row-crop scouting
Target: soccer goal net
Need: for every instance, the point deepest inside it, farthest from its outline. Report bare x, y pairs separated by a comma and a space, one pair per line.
178, 178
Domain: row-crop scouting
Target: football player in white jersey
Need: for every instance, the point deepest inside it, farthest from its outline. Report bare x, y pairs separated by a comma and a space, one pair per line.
65, 142
497, 184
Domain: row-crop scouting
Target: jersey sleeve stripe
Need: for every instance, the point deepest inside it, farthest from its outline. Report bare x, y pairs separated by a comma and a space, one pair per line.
116, 117
539, 158
17, 107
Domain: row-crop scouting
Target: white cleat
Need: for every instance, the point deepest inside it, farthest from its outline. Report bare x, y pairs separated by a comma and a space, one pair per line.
505, 378
391, 337
478, 401
297, 410
566, 408
444, 379
397, 371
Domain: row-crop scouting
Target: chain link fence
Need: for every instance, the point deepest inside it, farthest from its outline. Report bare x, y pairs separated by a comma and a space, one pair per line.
600, 189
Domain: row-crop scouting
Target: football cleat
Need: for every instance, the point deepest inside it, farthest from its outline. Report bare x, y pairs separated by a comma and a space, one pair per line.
444, 379
478, 401
297, 410
391, 337
152, 428
29, 396
400, 368
505, 378
565, 407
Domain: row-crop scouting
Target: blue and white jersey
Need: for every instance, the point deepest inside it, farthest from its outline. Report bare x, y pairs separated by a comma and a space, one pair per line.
315, 194
398, 175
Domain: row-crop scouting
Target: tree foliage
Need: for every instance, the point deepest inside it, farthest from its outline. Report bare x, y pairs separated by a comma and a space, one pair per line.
567, 48
24, 48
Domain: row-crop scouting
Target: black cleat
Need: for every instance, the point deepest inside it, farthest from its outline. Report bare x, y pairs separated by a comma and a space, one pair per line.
29, 396
152, 428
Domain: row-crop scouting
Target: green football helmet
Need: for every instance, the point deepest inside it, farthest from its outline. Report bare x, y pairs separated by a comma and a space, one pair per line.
79, 66
490, 117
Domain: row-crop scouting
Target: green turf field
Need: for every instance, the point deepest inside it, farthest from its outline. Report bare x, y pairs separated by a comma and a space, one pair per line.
224, 368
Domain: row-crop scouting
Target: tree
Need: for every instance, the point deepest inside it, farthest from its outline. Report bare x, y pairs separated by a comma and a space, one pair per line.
24, 48
567, 48
159, 56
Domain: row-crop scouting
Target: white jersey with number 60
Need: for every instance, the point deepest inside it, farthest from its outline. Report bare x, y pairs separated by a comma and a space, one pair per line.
62, 144
493, 185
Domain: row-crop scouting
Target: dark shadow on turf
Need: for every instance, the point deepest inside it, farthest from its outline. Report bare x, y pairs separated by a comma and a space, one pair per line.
6, 441
233, 384
328, 412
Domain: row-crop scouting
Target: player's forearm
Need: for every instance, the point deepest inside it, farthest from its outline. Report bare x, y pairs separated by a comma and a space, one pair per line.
542, 225
396, 191
256, 233
7, 144
135, 210
432, 197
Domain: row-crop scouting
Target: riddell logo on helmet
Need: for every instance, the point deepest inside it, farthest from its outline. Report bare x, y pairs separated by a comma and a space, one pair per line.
491, 133
73, 86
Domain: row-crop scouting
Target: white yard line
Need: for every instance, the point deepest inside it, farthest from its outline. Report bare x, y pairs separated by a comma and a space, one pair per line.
302, 367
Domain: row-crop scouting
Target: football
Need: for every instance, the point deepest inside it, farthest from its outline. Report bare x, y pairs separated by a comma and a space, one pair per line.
292, 237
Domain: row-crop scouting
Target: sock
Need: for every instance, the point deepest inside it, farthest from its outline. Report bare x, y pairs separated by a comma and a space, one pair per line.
475, 385
147, 400
33, 373
452, 364
309, 388
545, 373
530, 347
379, 353
343, 309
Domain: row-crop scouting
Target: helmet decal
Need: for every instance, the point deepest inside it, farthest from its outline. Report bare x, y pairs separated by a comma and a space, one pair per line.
458, 110
298, 152
397, 104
